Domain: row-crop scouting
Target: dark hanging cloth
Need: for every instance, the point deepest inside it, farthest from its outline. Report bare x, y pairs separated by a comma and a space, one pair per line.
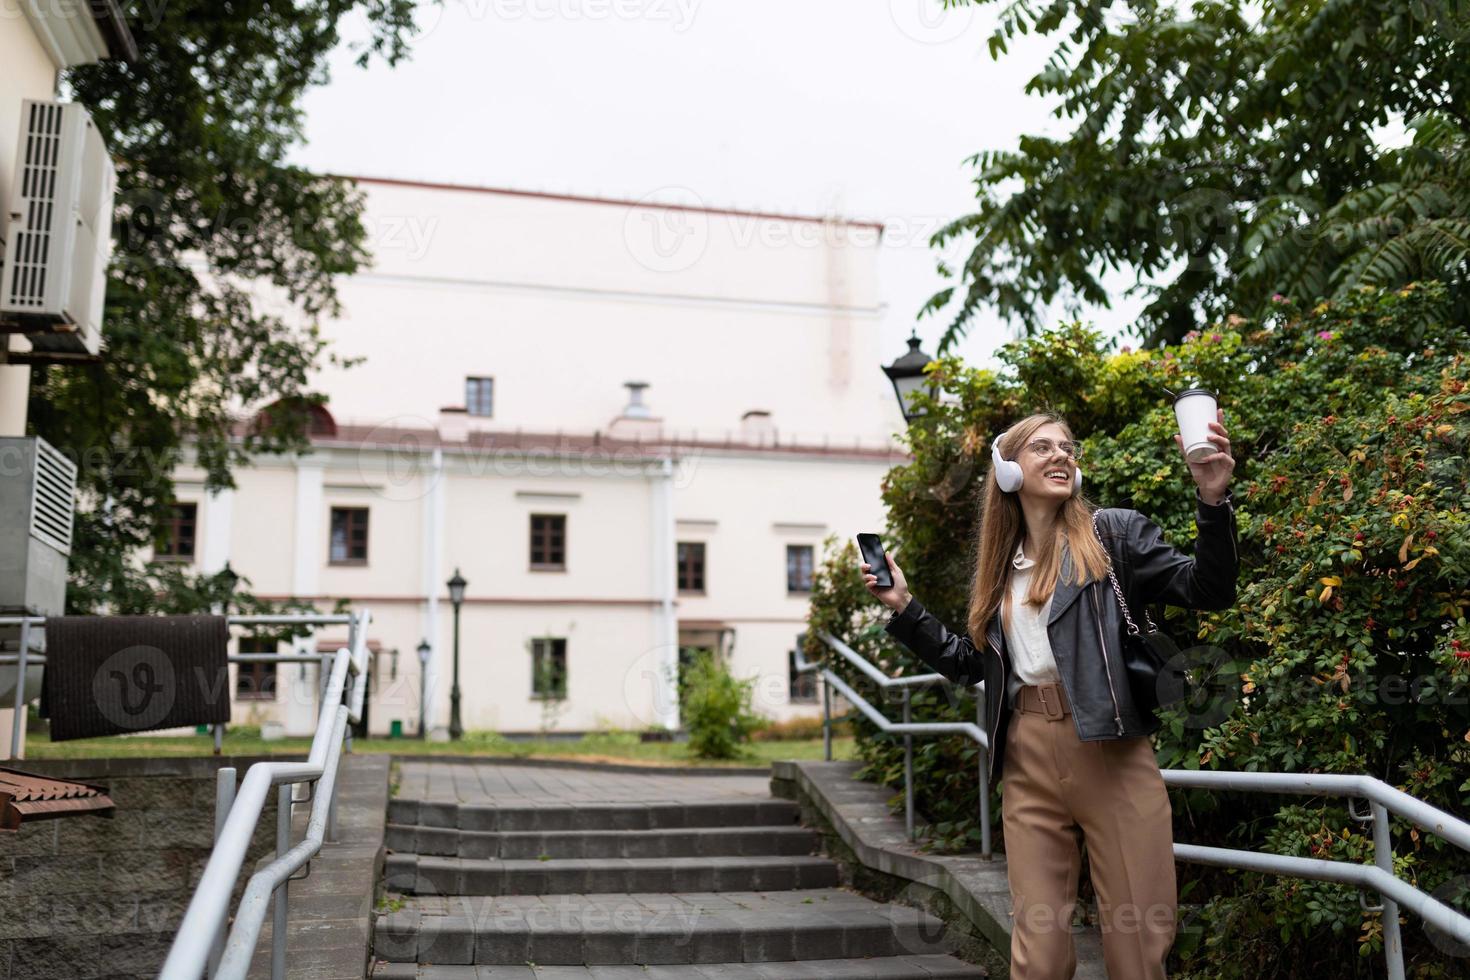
109, 675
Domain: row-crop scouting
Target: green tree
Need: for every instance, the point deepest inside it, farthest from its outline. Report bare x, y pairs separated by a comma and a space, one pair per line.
1221, 152
1347, 649
200, 126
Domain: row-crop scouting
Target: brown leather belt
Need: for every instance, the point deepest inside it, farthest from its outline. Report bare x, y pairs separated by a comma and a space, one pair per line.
1048, 700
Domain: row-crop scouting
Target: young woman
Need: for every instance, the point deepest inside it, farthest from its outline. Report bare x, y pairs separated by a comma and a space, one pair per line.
1069, 740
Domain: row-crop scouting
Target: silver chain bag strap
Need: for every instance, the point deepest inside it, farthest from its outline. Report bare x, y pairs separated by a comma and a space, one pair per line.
1153, 662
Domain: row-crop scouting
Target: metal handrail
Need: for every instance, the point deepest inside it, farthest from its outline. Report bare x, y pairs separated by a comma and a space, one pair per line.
1382, 798
907, 728
200, 943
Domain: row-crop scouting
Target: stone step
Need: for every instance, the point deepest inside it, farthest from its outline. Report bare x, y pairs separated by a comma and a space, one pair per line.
533, 844
650, 929
881, 968
428, 875
592, 816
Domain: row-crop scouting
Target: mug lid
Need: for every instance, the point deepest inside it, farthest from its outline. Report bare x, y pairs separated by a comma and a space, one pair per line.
1197, 391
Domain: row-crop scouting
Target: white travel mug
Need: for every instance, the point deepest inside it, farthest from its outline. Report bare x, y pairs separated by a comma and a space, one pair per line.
1194, 409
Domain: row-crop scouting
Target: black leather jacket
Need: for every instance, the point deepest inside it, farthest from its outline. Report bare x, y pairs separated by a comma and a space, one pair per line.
1085, 625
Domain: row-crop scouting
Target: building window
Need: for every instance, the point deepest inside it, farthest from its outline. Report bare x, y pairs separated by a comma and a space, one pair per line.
548, 542
798, 568
801, 686
257, 681
349, 535
549, 668
479, 396
691, 566
176, 534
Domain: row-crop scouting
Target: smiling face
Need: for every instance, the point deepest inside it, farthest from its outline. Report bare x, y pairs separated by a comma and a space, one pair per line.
1040, 481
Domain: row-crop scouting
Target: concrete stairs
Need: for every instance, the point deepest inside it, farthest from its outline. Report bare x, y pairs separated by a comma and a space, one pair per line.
729, 889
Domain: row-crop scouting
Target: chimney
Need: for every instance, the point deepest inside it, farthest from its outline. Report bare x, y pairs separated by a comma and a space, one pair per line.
635, 409
454, 424
636, 420
757, 428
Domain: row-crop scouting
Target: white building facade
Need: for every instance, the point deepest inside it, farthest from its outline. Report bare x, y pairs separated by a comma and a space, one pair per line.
629, 426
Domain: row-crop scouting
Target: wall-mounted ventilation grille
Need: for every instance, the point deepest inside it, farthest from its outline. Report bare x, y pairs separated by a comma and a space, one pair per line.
40, 154
53, 502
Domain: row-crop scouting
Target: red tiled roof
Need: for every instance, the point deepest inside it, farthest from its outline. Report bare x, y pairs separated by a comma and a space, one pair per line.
618, 201
411, 438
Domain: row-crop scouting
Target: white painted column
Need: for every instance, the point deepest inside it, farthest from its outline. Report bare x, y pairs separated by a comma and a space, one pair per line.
15, 390
433, 565
15, 386
308, 546
666, 626
219, 510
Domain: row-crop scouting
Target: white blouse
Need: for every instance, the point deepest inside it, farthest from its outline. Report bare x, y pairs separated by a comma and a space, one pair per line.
1026, 639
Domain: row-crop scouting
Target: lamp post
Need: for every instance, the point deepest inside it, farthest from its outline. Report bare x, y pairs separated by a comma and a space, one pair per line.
424, 651
456, 596
907, 375
229, 579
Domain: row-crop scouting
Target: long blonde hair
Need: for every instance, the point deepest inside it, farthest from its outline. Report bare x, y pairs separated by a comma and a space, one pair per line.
1001, 526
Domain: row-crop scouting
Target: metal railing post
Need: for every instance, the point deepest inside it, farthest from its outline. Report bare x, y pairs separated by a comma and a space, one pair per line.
224, 798
282, 899
18, 723
323, 675
332, 809
908, 771
1393, 944
984, 766
826, 721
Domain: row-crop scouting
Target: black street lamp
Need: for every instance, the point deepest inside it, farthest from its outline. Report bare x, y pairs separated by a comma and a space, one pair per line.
907, 375
456, 596
229, 579
424, 651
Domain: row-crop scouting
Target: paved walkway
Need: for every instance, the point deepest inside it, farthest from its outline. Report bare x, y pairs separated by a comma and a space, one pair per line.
330, 929
529, 785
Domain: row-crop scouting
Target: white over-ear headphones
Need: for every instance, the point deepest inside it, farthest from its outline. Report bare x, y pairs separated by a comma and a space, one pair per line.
1008, 471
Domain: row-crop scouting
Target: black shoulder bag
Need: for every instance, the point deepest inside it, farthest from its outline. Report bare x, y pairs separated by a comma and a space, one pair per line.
1153, 661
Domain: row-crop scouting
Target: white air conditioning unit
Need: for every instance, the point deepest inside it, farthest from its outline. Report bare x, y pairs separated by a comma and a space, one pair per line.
37, 502
60, 230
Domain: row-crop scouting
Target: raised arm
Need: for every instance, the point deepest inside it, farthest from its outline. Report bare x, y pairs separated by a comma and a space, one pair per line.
1159, 572
946, 652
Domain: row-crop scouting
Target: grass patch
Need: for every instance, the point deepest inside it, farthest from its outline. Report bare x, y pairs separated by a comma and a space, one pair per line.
620, 747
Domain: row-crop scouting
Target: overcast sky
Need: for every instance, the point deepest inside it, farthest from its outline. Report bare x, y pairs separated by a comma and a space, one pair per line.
864, 108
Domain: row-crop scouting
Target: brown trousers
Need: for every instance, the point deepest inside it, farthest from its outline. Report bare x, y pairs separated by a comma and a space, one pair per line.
1059, 792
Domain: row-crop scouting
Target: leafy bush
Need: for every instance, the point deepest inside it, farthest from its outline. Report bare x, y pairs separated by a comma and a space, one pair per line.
717, 708
1347, 650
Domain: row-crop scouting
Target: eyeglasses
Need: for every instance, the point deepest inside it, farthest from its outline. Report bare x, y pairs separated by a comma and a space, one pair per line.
1043, 448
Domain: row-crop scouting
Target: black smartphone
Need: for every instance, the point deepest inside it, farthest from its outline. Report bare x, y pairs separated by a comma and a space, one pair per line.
872, 550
